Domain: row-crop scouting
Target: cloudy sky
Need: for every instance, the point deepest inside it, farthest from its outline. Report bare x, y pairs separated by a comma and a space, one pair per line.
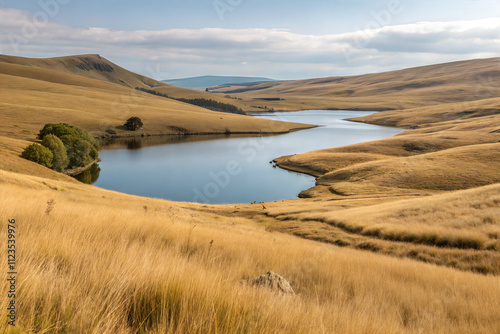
280, 39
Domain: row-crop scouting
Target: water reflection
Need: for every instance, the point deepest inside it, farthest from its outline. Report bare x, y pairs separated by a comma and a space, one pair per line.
89, 176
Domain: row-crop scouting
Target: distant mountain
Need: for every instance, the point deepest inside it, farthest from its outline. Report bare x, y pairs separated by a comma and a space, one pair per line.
212, 80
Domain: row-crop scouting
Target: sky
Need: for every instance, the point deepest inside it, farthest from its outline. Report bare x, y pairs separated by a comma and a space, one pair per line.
279, 39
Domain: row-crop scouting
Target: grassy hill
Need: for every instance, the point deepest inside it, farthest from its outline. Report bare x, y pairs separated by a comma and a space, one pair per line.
94, 66
34, 95
454, 82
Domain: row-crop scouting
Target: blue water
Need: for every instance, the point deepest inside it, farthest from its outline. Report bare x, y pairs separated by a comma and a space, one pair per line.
229, 169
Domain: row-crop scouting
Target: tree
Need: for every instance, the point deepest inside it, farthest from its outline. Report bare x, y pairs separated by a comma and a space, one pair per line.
58, 130
56, 146
64, 129
133, 123
79, 151
39, 154
80, 147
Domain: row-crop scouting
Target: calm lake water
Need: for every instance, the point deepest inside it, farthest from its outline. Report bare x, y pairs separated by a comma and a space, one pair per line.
227, 169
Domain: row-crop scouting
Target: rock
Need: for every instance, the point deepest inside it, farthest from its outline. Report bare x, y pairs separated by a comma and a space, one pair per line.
272, 281
111, 131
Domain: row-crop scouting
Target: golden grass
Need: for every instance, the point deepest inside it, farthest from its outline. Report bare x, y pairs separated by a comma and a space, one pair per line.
453, 169
456, 82
435, 113
96, 67
468, 219
32, 97
95, 261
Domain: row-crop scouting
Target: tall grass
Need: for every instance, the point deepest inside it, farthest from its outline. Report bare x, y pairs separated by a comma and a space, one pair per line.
98, 262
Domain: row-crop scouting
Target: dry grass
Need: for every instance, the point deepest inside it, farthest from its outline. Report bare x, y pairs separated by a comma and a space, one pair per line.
435, 114
32, 97
459, 229
453, 169
102, 262
455, 82
96, 67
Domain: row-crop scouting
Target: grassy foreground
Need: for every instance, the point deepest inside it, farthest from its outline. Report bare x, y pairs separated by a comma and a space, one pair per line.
96, 261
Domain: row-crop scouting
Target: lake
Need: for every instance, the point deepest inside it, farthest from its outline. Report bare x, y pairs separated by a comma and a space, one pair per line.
226, 169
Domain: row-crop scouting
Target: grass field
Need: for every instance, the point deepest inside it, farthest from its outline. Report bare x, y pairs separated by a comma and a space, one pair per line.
101, 262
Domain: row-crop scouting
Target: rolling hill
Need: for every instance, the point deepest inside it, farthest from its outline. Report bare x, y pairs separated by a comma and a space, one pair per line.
103, 96
456, 82
94, 66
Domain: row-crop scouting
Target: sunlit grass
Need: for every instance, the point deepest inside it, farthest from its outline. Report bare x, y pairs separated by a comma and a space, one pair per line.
99, 262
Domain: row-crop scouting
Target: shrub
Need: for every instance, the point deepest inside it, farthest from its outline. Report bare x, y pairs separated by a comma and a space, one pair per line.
133, 123
56, 146
58, 130
63, 129
80, 152
39, 154
80, 147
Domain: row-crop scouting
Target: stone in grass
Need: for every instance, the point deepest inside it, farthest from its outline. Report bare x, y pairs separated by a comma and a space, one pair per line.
111, 131
272, 281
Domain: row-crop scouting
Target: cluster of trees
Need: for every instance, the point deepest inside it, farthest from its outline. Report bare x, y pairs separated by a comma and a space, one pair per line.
63, 147
205, 103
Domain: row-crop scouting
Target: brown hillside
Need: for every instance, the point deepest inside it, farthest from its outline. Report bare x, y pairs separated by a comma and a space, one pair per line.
94, 66
409, 88
33, 96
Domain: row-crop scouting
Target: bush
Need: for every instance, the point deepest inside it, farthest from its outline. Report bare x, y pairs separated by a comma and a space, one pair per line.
58, 130
56, 146
133, 123
80, 152
63, 129
69, 146
39, 154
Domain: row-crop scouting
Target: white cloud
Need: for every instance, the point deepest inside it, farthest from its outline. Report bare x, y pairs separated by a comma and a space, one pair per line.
267, 52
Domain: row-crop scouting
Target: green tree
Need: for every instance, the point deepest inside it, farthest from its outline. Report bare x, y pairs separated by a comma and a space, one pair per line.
58, 130
39, 154
56, 146
81, 148
133, 123
79, 151
64, 129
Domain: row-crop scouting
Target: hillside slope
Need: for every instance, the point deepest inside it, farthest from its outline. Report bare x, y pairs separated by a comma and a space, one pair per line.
94, 66
454, 82
33, 96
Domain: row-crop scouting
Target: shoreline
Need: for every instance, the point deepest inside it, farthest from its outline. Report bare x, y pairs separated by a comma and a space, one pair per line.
119, 136
79, 170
